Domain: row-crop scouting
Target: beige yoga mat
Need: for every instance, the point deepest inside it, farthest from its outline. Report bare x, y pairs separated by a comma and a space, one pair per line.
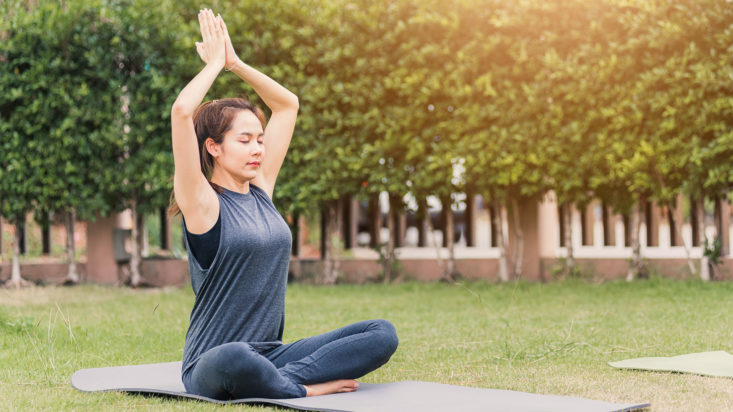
165, 379
718, 363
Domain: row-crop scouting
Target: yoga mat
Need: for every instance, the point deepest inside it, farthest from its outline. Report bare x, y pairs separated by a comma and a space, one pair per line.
718, 363
165, 379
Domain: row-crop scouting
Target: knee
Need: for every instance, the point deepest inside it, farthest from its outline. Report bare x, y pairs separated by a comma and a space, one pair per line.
386, 334
219, 368
236, 360
233, 350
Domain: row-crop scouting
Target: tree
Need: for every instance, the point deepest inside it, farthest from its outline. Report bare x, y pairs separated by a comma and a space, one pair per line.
79, 91
19, 184
155, 58
415, 140
506, 163
704, 110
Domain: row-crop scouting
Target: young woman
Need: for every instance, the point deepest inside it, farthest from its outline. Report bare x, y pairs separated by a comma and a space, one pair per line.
226, 164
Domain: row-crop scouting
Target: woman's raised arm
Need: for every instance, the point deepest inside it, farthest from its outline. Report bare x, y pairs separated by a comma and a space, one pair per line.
284, 107
195, 197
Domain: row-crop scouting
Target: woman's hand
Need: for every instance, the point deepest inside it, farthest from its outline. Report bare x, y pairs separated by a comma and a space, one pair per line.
213, 48
231, 56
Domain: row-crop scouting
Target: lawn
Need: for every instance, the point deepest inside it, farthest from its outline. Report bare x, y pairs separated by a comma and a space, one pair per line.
542, 338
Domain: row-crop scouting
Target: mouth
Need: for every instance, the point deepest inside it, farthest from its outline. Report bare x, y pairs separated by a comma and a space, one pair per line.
256, 164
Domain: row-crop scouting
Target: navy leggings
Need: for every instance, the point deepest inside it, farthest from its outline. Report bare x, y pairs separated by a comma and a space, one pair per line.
235, 370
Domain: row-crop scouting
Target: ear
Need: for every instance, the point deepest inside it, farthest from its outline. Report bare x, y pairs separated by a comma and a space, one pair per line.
212, 147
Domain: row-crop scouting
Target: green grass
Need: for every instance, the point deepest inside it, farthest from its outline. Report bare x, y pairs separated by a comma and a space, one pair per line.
552, 338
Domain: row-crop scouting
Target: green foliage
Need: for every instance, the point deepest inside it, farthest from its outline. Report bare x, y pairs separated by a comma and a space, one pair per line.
623, 101
18, 325
713, 251
66, 140
156, 59
395, 265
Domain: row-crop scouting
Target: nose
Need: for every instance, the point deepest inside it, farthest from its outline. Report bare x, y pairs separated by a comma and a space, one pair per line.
256, 148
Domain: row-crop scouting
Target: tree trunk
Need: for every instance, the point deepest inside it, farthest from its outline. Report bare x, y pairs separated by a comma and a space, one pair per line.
375, 223
450, 269
141, 239
15, 279
164, 229
295, 231
423, 215
135, 253
635, 269
329, 232
721, 233
72, 275
388, 250
22, 236
566, 211
46, 233
434, 241
501, 241
469, 221
704, 261
678, 232
519, 247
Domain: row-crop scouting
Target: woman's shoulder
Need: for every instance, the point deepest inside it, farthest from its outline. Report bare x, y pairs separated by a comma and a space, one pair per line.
259, 193
255, 195
256, 189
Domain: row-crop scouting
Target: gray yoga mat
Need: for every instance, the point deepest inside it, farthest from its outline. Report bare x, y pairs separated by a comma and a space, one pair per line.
718, 363
165, 379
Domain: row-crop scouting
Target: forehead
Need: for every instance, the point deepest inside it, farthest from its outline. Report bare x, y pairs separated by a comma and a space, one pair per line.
245, 121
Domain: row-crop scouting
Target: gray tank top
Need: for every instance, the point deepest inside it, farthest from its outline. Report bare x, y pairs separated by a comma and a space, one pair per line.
241, 296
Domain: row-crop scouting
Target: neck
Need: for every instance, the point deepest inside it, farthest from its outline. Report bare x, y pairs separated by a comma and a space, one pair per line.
229, 182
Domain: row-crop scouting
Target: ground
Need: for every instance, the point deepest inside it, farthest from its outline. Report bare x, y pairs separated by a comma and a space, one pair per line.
541, 338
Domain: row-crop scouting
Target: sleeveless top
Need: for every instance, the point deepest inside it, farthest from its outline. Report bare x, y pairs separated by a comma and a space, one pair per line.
205, 245
241, 296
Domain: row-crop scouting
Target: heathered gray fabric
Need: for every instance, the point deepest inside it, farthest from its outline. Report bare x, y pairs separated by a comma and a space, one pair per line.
241, 296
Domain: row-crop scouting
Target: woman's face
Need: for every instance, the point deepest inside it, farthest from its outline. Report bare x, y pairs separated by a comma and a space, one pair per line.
242, 150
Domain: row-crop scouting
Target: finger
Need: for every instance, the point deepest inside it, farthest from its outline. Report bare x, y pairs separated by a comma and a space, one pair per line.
205, 23
201, 23
201, 52
217, 26
223, 26
228, 39
202, 26
212, 26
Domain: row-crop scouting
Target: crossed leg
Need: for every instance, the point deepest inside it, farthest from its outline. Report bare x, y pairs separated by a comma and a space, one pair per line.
318, 365
345, 353
235, 370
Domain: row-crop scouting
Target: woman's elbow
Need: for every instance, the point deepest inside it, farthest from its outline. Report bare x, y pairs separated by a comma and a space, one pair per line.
290, 105
181, 110
295, 103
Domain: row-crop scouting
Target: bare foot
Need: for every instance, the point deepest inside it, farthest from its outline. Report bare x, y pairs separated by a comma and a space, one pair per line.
342, 385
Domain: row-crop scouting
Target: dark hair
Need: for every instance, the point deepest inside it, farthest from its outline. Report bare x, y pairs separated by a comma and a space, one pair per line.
212, 120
